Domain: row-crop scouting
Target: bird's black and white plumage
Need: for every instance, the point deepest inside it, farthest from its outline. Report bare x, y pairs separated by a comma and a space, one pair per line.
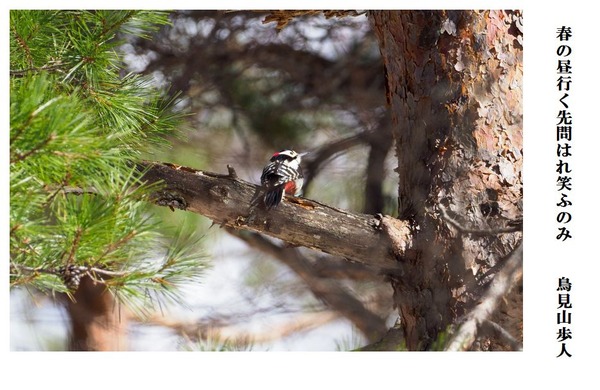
282, 175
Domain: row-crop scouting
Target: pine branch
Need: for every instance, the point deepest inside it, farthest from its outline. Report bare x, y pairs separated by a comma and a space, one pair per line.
108, 31
113, 246
71, 269
23, 44
38, 147
45, 68
74, 246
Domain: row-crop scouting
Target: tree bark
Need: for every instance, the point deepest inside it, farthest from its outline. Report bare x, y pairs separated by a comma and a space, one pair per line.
454, 85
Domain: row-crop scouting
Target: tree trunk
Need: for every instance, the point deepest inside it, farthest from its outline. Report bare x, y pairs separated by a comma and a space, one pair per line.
97, 324
454, 85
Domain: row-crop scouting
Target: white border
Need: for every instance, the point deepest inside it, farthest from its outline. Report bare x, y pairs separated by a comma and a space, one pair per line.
545, 259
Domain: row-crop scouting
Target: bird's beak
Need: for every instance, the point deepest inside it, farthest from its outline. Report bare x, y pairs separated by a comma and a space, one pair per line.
303, 154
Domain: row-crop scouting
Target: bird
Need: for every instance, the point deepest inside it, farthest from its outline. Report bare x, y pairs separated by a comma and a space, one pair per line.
282, 175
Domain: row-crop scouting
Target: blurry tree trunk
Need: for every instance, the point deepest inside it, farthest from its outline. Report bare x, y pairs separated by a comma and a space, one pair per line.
96, 321
454, 86
379, 146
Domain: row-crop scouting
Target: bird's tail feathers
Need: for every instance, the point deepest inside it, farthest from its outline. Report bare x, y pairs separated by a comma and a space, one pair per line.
273, 197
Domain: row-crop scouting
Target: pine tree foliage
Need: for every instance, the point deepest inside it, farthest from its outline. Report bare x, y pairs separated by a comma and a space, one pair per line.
77, 124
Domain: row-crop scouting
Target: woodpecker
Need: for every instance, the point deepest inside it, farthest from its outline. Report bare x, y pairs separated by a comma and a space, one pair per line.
282, 174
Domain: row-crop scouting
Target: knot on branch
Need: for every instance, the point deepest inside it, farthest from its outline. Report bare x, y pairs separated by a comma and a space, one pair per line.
398, 231
232, 172
170, 199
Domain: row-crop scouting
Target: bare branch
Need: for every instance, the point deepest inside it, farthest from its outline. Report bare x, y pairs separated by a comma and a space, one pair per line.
282, 18
330, 267
329, 291
297, 221
319, 157
230, 333
499, 287
515, 226
493, 328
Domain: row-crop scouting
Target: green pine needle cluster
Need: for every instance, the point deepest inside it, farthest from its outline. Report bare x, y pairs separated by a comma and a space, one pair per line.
77, 124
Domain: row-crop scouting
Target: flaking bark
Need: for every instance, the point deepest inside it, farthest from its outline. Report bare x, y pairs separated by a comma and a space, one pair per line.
454, 86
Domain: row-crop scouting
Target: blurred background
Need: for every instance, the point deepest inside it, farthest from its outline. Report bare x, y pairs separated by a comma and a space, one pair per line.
250, 89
